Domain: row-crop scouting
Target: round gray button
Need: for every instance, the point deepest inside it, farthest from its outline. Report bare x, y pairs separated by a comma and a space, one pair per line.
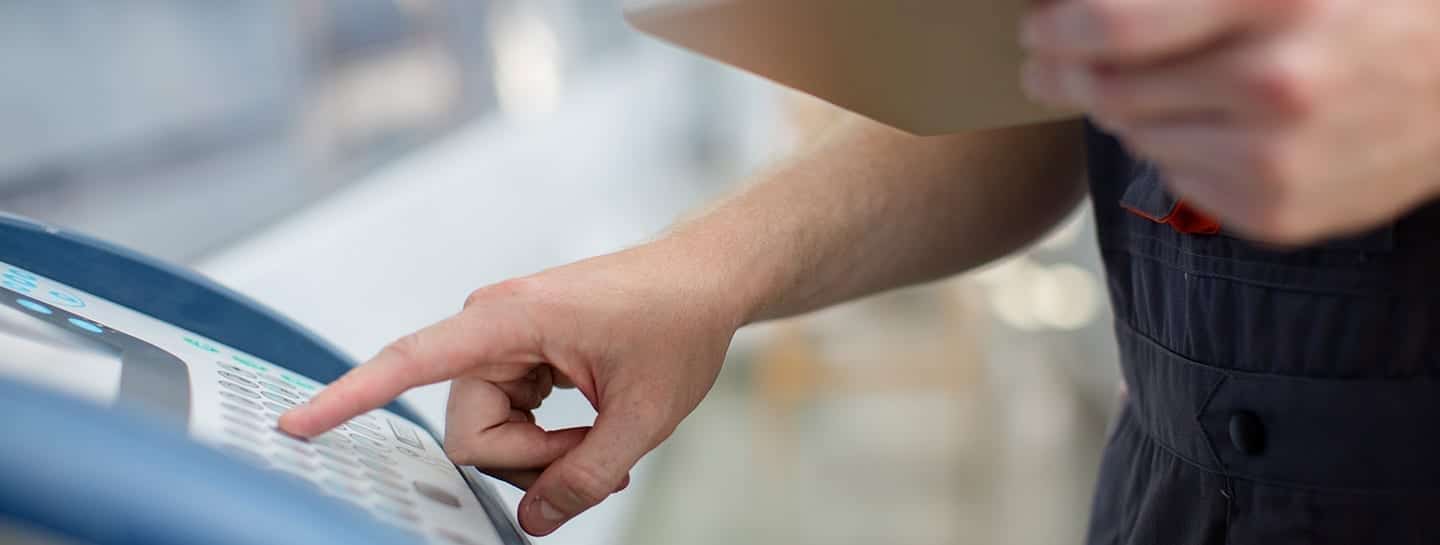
294, 464
395, 494
237, 370
436, 494
339, 454
277, 398
341, 488
407, 452
239, 389
333, 439
239, 411
379, 467
278, 386
338, 469
387, 481
239, 399
298, 450
369, 442
240, 420
366, 422
396, 511
237, 379
368, 454
242, 434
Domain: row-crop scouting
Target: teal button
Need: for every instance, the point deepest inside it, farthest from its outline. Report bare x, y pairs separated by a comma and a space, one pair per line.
201, 345
16, 286
242, 360
34, 307
300, 381
17, 277
19, 280
66, 299
87, 326
12, 271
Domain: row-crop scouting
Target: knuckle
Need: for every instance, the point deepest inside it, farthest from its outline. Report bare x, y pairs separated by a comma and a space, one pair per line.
1296, 8
586, 483
458, 451
519, 286
1286, 88
476, 297
661, 417
406, 349
513, 287
1114, 24
1272, 167
1115, 100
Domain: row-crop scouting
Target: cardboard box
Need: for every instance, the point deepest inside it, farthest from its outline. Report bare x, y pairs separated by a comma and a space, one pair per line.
923, 66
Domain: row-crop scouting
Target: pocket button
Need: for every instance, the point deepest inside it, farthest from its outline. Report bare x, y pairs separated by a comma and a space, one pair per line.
1247, 433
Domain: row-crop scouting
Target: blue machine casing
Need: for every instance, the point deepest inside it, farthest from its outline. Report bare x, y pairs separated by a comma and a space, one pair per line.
107, 477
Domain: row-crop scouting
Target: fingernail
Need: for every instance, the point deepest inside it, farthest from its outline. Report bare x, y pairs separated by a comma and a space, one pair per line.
550, 513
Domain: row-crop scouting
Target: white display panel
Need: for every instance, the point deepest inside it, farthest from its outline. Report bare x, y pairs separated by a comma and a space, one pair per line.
71, 341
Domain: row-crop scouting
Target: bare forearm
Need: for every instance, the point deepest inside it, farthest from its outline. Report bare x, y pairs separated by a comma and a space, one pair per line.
870, 209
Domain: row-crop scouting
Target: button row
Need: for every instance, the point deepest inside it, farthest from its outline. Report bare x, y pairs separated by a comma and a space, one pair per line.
339, 477
336, 462
390, 503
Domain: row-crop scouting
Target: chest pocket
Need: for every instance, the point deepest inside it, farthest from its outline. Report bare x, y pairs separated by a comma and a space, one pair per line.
1160, 227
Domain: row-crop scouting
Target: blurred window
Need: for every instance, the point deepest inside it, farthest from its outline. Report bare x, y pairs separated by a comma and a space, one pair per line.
177, 126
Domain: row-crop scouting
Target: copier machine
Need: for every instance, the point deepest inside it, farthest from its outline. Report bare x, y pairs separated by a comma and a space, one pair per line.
139, 403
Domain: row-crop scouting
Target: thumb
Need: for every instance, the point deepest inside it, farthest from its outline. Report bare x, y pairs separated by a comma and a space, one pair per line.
596, 468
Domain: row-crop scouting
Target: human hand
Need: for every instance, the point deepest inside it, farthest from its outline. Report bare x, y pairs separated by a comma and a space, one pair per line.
1289, 120
635, 332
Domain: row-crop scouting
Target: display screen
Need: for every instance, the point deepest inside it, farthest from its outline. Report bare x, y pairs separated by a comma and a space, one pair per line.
39, 351
66, 339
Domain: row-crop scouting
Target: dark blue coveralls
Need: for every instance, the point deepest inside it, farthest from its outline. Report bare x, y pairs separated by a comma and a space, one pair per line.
1275, 397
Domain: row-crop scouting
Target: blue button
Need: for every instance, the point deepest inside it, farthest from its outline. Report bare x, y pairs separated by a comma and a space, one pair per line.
201, 345
66, 299
19, 280
87, 326
33, 306
15, 286
17, 273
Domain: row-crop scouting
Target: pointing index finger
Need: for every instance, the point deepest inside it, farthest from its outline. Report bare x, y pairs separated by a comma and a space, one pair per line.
364, 388
434, 354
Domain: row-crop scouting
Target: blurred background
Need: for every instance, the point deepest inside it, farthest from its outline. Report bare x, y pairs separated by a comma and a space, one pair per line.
305, 151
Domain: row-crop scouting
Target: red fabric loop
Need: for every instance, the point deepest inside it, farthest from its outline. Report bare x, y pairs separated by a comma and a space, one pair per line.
1184, 219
